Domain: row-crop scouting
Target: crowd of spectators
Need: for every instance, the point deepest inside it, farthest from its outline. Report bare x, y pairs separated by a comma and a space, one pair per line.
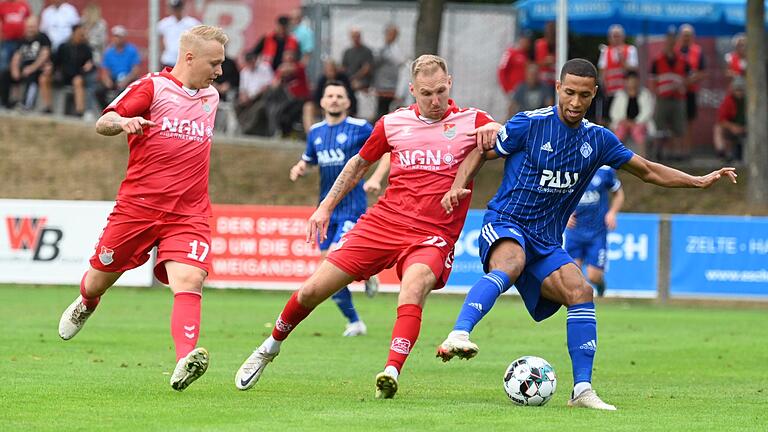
654, 118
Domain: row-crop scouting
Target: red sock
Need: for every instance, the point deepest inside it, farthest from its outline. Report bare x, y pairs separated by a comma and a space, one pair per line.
185, 322
293, 313
92, 302
404, 335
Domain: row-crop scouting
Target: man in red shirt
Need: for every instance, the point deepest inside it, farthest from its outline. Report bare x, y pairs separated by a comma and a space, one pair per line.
544, 55
513, 66
405, 228
163, 201
13, 15
669, 77
731, 128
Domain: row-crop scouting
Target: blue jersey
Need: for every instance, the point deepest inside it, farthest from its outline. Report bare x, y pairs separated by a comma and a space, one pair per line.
594, 204
330, 147
547, 169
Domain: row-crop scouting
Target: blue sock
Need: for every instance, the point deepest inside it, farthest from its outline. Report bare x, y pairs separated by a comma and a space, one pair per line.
343, 299
480, 299
582, 340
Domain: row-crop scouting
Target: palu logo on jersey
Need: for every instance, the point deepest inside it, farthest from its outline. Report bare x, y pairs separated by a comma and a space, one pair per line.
330, 157
188, 128
561, 181
420, 159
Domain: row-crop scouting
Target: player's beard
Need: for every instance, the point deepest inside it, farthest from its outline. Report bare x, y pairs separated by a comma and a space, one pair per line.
336, 114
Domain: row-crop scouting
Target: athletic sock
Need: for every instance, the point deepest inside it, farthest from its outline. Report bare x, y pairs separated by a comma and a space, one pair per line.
480, 299
343, 299
293, 313
582, 341
600, 287
185, 322
271, 345
89, 302
404, 335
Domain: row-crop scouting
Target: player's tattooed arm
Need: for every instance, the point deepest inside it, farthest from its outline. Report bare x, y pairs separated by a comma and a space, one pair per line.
350, 176
662, 175
112, 123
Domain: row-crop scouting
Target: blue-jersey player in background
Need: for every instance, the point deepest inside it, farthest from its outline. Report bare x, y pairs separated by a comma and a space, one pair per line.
587, 230
330, 144
551, 155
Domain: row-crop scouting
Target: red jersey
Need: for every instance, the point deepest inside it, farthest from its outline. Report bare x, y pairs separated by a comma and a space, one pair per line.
168, 165
12, 17
425, 156
511, 71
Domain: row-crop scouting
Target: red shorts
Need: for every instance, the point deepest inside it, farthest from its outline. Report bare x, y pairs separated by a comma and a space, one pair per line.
370, 247
132, 231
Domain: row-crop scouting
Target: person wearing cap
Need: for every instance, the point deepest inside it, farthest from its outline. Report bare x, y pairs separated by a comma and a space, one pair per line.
119, 67
170, 29
272, 45
731, 128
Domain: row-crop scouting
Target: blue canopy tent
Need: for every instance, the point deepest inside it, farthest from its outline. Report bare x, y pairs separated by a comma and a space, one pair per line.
710, 18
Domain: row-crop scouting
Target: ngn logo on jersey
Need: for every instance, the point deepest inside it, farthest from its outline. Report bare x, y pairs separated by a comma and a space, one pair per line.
430, 160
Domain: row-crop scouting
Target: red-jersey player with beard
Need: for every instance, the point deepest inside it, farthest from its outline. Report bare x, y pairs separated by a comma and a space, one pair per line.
407, 228
163, 201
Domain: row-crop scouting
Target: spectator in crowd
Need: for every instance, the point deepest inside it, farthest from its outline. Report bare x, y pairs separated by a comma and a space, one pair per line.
731, 128
29, 61
692, 53
303, 34
73, 65
544, 55
615, 61
255, 79
229, 80
632, 113
736, 60
531, 94
13, 14
170, 29
357, 62
95, 30
403, 96
331, 72
272, 46
669, 74
513, 66
57, 21
389, 59
120, 67
291, 92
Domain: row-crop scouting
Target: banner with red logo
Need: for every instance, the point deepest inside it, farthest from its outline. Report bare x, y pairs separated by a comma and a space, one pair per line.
50, 242
264, 247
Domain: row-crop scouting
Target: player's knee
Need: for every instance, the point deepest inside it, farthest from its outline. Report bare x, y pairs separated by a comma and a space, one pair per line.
189, 281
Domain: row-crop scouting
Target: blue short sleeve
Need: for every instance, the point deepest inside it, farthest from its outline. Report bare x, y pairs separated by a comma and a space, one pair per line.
511, 138
310, 155
615, 154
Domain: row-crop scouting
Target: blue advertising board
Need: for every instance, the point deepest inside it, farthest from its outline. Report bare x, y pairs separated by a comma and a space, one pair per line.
719, 256
632, 254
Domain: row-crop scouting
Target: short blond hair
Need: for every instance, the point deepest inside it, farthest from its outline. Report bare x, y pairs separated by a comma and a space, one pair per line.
202, 33
427, 63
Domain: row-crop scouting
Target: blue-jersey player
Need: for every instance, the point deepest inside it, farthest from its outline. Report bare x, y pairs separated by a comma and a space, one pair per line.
551, 155
586, 234
330, 144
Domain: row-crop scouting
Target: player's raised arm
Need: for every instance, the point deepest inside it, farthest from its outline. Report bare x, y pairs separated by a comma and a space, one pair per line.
112, 123
467, 171
485, 135
350, 176
662, 175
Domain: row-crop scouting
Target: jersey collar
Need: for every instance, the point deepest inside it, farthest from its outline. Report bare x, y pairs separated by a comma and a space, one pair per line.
452, 108
166, 72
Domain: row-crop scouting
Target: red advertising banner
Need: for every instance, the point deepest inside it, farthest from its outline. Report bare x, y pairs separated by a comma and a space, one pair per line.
265, 247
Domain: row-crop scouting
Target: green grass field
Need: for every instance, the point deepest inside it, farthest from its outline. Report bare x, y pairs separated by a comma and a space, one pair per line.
665, 368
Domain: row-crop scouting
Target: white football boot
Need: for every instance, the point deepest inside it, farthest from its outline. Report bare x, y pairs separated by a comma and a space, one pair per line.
250, 372
372, 286
189, 368
73, 319
457, 344
356, 328
590, 399
386, 385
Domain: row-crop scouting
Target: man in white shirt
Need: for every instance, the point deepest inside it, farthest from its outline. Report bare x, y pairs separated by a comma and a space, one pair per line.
170, 29
255, 79
56, 22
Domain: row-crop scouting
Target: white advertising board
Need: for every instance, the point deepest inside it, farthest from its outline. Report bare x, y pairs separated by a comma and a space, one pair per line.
50, 242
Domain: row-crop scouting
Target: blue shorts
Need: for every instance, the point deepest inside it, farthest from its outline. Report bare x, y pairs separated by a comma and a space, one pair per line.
591, 250
540, 261
335, 231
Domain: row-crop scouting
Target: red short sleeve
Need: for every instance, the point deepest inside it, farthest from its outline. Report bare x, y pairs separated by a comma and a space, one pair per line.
135, 100
377, 144
482, 118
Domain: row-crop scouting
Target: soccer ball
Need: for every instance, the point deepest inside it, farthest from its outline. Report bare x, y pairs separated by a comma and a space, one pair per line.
530, 381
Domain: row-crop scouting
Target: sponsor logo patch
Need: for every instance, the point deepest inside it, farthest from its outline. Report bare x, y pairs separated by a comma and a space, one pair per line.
105, 255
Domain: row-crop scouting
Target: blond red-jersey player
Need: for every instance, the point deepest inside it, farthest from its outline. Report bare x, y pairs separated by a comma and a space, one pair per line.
163, 201
406, 228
